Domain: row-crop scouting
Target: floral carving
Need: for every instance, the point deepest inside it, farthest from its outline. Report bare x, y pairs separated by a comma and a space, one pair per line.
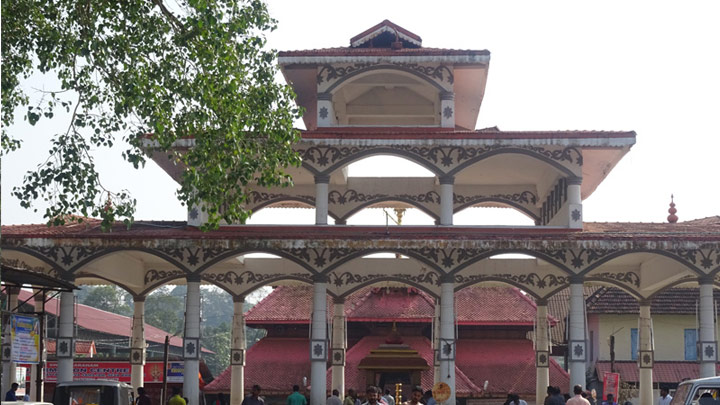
347, 278
430, 197
262, 197
249, 277
529, 279
350, 196
525, 197
329, 72
159, 275
627, 278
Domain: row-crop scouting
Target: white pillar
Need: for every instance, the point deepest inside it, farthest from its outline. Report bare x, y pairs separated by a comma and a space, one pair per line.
191, 344
436, 341
318, 343
66, 338
237, 353
645, 354
321, 199
447, 109
577, 346
446, 200
706, 339
447, 334
9, 367
574, 204
542, 352
137, 343
339, 346
41, 366
325, 110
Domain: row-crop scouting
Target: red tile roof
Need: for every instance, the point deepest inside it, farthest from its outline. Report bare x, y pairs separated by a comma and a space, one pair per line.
343, 51
611, 300
106, 322
558, 307
82, 347
494, 306
389, 305
453, 133
507, 365
663, 371
703, 221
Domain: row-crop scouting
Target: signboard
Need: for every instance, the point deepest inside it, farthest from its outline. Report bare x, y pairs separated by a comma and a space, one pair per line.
25, 339
611, 385
441, 392
117, 371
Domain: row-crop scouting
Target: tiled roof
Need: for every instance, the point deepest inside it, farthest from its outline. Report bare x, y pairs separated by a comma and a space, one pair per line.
82, 347
508, 365
475, 306
453, 133
703, 221
558, 308
663, 371
106, 322
347, 51
611, 300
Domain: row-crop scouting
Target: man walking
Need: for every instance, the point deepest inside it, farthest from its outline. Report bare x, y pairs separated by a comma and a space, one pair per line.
578, 398
334, 399
296, 398
665, 397
254, 397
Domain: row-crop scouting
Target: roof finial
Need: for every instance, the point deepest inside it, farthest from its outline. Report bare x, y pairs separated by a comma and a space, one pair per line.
672, 218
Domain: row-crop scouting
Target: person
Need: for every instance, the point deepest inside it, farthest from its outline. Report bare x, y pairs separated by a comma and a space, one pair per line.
334, 399
578, 399
372, 395
350, 397
428, 398
176, 399
143, 398
389, 399
664, 398
296, 398
254, 397
706, 399
514, 399
220, 400
610, 400
10, 395
416, 396
554, 397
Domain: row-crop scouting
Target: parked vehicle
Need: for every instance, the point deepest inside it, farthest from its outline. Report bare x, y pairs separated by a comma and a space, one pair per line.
702, 391
93, 392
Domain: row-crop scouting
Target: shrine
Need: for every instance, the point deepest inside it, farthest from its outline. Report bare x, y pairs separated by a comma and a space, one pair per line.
386, 94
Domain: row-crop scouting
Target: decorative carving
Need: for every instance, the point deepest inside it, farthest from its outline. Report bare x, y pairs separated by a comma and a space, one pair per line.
350, 196
585, 257
160, 275
329, 72
440, 73
431, 197
249, 277
68, 255
347, 278
529, 279
447, 112
261, 197
627, 278
576, 215
431, 71
323, 113
525, 197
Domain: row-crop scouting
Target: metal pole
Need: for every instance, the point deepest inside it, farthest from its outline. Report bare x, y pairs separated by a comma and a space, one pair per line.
163, 393
41, 360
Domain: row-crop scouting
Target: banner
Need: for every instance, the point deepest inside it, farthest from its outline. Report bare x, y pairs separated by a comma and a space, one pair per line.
25, 339
117, 371
611, 385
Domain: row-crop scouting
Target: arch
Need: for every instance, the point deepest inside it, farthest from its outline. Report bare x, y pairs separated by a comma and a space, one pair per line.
385, 279
634, 293
509, 150
149, 288
620, 253
365, 252
267, 204
111, 250
366, 204
115, 283
512, 204
533, 253
500, 280
383, 150
239, 252
37, 255
376, 69
676, 283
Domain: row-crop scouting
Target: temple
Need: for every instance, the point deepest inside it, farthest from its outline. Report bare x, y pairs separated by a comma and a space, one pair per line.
386, 94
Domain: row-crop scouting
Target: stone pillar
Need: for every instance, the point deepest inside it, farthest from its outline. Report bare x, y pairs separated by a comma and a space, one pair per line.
447, 334
318, 342
137, 343
707, 345
645, 354
9, 368
447, 109
577, 345
574, 204
191, 342
339, 346
321, 199
237, 352
65, 344
39, 307
326, 111
542, 352
446, 200
436, 342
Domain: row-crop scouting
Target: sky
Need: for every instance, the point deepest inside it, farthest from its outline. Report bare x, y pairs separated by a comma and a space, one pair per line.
647, 66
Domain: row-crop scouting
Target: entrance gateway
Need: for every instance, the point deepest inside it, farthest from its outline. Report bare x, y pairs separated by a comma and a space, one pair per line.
386, 94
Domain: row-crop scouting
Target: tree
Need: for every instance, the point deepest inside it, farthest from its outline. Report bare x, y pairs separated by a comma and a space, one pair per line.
218, 340
165, 311
108, 298
137, 67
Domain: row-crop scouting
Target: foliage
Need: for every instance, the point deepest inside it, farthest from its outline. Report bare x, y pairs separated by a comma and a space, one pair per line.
196, 69
165, 311
217, 339
108, 298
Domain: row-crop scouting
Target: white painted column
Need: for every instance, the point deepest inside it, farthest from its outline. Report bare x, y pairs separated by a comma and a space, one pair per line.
237, 353
191, 343
542, 352
325, 110
574, 205
577, 346
339, 345
645, 354
137, 343
66, 338
446, 200
321, 199
436, 341
447, 334
9, 368
318, 342
447, 109
34, 368
706, 336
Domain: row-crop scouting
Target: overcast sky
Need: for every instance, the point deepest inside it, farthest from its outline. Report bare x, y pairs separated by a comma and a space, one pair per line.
648, 66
